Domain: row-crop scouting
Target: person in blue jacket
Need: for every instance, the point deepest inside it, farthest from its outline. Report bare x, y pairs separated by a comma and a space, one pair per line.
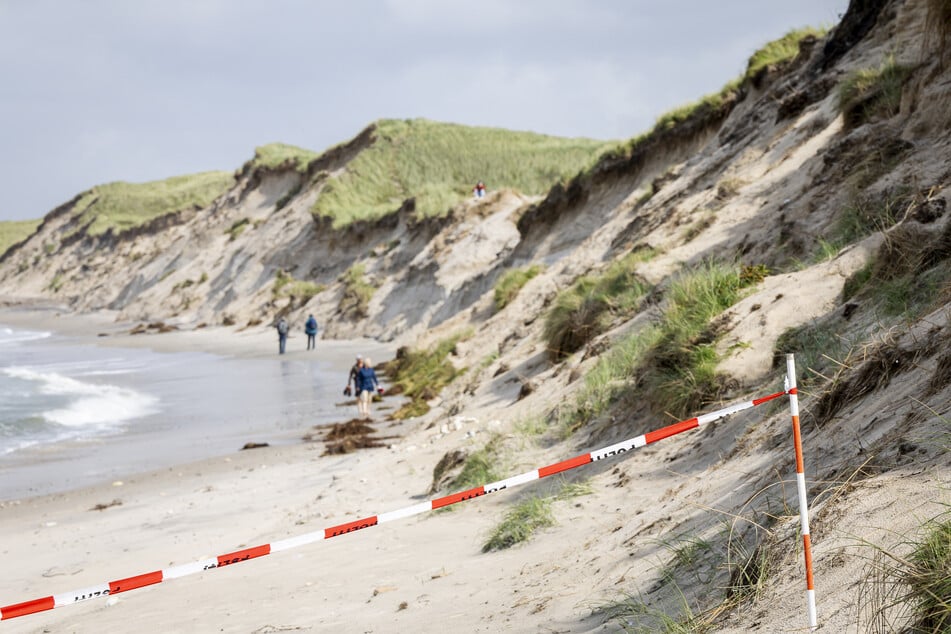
310, 329
367, 383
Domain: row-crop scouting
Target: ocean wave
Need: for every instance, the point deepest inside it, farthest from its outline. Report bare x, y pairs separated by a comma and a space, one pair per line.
89, 404
10, 336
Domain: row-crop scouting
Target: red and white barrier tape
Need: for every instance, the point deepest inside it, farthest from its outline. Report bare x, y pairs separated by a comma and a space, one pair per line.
158, 576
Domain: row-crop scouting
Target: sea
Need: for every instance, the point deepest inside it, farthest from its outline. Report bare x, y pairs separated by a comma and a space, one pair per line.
74, 414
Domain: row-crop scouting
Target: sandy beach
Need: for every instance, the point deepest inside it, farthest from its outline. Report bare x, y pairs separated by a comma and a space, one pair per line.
420, 574
425, 573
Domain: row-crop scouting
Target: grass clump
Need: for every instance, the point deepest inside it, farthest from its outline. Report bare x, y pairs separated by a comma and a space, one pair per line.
912, 593
872, 93
237, 228
607, 380
57, 283
16, 231
907, 273
300, 291
672, 363
511, 282
121, 206
818, 348
780, 51
866, 215
480, 467
591, 304
636, 616
680, 373
281, 155
531, 515
357, 292
520, 523
421, 374
710, 103
436, 164
928, 577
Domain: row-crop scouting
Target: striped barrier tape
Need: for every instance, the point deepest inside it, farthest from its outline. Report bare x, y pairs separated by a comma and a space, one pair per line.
158, 576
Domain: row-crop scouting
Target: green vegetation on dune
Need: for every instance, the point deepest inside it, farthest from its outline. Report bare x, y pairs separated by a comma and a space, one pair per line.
439, 163
122, 206
274, 155
872, 93
421, 374
781, 50
672, 363
773, 53
511, 282
588, 308
14, 231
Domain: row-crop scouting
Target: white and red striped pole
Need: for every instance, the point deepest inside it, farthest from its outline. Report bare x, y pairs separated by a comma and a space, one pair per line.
158, 576
801, 486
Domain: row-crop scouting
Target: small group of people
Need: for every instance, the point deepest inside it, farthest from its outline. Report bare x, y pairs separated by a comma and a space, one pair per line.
364, 381
479, 190
283, 328
362, 375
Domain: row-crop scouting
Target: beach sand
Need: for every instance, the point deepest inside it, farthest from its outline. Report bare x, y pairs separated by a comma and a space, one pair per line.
427, 573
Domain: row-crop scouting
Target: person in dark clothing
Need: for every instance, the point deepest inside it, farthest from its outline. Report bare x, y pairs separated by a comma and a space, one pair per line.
282, 329
353, 378
366, 378
310, 329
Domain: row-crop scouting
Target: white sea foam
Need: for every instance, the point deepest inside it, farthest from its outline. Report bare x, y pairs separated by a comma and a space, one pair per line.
89, 404
10, 336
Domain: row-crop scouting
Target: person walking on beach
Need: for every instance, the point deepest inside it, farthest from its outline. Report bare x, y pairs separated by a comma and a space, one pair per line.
479, 189
282, 329
310, 328
366, 378
353, 378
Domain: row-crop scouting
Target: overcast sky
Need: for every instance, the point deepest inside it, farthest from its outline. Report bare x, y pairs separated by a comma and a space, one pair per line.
94, 91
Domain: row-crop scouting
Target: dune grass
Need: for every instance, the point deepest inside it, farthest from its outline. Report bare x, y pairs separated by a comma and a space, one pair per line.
872, 93
907, 274
357, 291
911, 592
680, 373
670, 363
439, 163
819, 348
531, 515
592, 304
511, 282
772, 53
421, 374
14, 231
300, 291
781, 50
520, 523
120, 206
480, 467
277, 155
